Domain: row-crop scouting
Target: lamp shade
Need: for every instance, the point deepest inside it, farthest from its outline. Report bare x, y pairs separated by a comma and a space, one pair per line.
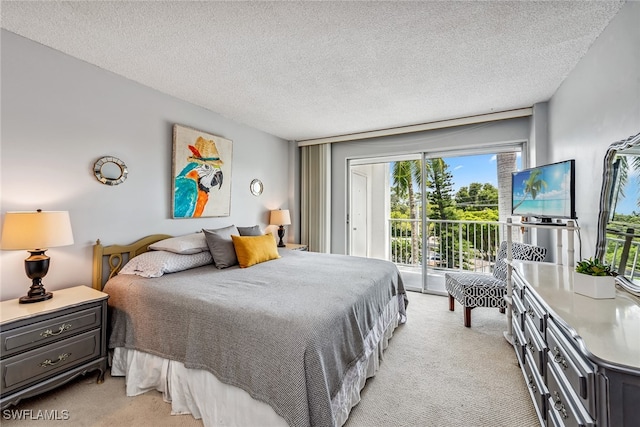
280, 217
36, 230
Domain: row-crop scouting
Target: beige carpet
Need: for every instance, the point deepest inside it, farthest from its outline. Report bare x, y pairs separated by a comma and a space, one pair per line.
435, 372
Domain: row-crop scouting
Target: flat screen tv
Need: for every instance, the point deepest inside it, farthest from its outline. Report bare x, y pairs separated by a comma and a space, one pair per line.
545, 192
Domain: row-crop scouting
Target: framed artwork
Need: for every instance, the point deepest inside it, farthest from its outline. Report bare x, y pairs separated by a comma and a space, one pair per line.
201, 174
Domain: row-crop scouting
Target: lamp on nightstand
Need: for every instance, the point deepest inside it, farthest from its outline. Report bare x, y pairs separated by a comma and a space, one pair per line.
36, 232
280, 217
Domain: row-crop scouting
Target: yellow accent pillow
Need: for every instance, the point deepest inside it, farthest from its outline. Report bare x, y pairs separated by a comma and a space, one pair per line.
252, 250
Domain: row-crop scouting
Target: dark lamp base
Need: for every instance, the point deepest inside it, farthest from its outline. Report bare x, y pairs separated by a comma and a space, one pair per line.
36, 298
36, 267
281, 244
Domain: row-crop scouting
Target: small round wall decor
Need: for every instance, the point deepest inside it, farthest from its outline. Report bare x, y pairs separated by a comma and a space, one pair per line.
110, 170
256, 187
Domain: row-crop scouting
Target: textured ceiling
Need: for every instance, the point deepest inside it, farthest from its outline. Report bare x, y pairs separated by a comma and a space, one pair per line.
303, 70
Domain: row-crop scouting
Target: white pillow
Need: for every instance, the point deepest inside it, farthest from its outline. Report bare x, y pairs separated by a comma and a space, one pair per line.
157, 263
187, 244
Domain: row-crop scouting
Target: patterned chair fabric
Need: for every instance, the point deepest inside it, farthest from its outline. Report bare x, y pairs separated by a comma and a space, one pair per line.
484, 290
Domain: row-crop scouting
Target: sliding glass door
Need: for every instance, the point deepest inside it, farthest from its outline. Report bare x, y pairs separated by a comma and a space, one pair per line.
431, 212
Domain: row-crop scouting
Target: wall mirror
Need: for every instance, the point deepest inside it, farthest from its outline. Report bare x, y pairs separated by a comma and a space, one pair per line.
110, 170
256, 187
618, 242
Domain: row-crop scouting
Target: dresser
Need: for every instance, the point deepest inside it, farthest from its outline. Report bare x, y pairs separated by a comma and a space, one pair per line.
48, 343
580, 357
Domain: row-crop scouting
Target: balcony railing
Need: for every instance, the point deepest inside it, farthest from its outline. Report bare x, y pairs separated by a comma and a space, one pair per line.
450, 244
623, 253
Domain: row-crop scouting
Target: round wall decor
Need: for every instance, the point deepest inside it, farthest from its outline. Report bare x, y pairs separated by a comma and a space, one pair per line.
256, 187
110, 170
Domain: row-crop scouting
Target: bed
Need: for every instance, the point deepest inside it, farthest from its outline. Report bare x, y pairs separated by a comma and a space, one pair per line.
290, 341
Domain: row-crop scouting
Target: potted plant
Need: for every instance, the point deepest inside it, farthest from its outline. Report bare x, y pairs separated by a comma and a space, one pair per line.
594, 279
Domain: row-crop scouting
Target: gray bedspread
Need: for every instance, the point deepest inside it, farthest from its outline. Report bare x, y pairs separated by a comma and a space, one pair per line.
285, 331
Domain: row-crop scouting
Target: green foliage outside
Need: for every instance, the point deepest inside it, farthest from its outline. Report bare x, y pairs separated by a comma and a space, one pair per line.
622, 223
477, 202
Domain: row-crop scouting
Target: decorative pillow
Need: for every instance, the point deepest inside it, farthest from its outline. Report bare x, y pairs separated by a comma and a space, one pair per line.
252, 250
187, 244
250, 231
221, 246
157, 263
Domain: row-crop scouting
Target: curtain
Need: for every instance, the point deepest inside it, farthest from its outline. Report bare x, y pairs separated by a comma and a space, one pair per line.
315, 197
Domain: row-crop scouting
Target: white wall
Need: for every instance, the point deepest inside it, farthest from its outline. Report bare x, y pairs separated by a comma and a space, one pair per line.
59, 115
597, 104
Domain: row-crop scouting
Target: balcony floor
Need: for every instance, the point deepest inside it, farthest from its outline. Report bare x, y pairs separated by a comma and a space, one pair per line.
412, 278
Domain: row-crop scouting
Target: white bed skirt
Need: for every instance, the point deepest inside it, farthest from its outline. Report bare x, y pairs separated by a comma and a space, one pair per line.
199, 393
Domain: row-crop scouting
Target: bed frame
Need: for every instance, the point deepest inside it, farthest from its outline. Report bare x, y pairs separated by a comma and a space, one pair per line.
108, 260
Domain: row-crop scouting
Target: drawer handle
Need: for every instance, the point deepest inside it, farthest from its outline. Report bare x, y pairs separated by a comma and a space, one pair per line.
532, 385
49, 333
559, 358
559, 406
49, 362
530, 346
516, 341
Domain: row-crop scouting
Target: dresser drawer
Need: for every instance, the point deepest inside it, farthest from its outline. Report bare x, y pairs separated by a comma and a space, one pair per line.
534, 345
518, 342
518, 287
578, 372
534, 312
517, 312
35, 365
563, 404
50, 330
536, 387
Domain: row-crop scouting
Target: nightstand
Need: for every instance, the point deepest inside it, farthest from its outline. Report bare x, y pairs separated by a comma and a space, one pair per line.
48, 343
296, 247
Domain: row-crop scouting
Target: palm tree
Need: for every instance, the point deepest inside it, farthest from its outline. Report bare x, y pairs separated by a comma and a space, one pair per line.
625, 168
405, 175
532, 186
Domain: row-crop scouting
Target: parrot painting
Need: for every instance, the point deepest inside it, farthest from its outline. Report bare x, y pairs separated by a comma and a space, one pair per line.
201, 175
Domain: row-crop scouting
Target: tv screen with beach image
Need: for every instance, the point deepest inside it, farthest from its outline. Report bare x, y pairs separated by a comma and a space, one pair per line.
545, 191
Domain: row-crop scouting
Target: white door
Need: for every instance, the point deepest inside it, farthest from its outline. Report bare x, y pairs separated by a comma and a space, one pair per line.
358, 215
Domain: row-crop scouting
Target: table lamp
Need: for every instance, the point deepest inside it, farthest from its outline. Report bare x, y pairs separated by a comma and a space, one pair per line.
36, 232
280, 217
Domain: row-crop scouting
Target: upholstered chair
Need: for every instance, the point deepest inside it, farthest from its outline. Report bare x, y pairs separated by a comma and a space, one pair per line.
488, 290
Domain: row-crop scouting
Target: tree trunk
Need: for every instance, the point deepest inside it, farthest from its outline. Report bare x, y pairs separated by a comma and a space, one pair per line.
414, 226
506, 163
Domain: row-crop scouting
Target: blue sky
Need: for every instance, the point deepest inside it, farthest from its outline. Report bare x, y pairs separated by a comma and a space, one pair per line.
628, 204
482, 169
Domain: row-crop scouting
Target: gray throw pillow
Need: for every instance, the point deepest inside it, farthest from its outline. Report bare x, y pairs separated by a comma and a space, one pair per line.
250, 231
221, 246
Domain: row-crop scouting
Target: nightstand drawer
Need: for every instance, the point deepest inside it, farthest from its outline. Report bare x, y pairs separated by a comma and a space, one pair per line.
41, 333
35, 365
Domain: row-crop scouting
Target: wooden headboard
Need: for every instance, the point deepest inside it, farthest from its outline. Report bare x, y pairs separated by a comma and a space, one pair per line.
114, 257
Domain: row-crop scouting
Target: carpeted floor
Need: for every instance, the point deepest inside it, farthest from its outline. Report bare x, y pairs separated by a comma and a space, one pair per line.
435, 372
